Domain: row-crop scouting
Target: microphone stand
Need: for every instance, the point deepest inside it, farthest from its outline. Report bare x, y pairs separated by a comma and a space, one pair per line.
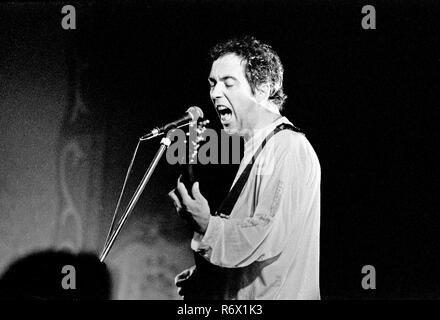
164, 144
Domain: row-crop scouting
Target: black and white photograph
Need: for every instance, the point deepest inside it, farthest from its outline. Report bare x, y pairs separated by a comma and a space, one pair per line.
201, 150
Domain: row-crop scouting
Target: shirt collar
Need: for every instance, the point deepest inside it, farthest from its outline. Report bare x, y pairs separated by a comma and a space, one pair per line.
254, 142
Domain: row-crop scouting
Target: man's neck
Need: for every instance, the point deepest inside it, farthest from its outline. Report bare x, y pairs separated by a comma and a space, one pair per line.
264, 120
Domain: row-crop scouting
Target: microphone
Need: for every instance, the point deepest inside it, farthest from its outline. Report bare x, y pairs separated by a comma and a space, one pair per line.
192, 114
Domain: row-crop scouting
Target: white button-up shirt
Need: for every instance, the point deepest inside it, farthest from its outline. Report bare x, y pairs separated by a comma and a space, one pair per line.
272, 233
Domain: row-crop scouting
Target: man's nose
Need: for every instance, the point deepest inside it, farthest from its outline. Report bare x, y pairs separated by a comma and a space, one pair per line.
216, 91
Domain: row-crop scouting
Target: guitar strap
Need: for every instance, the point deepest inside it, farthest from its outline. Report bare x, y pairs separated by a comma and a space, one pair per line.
228, 203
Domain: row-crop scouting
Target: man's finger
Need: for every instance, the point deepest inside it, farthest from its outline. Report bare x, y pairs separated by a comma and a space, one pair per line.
196, 191
175, 199
183, 193
171, 193
182, 276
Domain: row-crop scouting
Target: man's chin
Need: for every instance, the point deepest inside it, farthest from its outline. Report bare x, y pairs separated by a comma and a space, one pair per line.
229, 130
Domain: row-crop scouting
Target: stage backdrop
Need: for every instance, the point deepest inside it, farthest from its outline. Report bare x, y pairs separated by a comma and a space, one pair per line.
53, 154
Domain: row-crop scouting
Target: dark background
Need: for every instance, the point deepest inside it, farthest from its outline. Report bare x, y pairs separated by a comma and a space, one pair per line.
366, 99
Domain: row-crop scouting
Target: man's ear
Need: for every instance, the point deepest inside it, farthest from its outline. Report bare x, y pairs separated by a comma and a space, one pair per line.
262, 92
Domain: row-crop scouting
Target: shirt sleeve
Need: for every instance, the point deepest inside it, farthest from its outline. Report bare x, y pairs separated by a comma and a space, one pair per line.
234, 242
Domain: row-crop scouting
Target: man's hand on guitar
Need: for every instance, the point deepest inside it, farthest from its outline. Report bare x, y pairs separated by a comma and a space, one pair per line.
194, 209
184, 282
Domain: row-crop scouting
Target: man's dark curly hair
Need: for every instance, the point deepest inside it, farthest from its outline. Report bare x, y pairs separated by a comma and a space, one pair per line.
262, 64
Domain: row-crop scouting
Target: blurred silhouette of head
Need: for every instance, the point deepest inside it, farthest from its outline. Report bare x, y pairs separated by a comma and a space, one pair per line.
56, 275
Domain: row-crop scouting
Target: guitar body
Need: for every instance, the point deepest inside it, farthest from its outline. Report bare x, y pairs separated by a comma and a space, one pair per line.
208, 281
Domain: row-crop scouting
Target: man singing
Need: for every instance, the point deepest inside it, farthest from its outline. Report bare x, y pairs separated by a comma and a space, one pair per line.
263, 242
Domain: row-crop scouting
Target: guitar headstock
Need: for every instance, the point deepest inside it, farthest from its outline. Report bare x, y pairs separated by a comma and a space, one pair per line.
195, 136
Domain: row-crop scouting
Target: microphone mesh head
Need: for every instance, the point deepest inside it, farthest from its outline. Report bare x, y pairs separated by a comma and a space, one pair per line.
195, 112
